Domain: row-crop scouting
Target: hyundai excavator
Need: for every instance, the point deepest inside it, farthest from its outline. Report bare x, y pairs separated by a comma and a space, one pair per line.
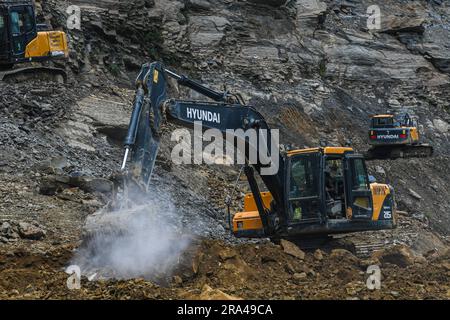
22, 40
393, 137
315, 192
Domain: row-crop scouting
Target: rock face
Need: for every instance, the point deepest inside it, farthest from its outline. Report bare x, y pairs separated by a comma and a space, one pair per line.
312, 67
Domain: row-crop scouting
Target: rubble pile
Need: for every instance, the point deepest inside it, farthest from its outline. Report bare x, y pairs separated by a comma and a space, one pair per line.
213, 270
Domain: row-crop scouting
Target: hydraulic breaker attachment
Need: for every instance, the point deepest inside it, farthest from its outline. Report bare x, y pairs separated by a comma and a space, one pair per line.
142, 139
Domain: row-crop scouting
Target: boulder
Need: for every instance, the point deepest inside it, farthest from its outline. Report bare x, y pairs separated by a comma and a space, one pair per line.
209, 293
414, 194
8, 232
291, 249
92, 184
441, 125
399, 255
29, 231
300, 276
344, 255
53, 184
395, 24
318, 255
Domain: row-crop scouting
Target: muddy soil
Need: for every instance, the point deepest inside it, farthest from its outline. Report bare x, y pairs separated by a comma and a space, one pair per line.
248, 271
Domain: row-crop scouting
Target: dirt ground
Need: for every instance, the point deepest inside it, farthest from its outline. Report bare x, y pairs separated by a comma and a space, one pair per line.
246, 271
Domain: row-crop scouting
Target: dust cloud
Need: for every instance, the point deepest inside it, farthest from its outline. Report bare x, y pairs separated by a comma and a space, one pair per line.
141, 241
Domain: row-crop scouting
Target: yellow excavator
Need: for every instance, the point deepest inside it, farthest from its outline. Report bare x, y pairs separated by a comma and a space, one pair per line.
22, 40
314, 193
394, 137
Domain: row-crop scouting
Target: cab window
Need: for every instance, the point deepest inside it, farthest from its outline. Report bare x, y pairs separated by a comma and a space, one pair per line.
382, 122
15, 22
304, 202
304, 182
2, 23
360, 179
22, 20
2, 29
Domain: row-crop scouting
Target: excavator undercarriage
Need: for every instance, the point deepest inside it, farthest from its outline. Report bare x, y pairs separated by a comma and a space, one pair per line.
38, 73
398, 151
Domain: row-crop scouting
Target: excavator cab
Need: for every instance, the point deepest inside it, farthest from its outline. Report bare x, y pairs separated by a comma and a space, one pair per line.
17, 29
328, 191
22, 29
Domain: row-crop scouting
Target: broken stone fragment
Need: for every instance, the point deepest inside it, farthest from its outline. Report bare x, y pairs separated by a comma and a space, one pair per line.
318, 255
272, 3
289, 268
92, 184
53, 184
29, 231
300, 276
291, 249
177, 280
399, 255
226, 254
344, 255
209, 293
380, 170
8, 232
415, 194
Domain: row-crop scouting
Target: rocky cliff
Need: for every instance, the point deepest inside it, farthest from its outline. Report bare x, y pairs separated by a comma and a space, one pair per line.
313, 68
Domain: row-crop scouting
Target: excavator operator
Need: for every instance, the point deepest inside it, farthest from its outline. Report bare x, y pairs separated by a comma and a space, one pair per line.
334, 186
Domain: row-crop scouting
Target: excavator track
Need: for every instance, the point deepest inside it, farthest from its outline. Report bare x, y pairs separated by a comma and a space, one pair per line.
395, 152
361, 249
47, 74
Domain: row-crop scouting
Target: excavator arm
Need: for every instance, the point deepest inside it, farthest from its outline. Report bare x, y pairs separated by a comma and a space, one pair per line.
227, 114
